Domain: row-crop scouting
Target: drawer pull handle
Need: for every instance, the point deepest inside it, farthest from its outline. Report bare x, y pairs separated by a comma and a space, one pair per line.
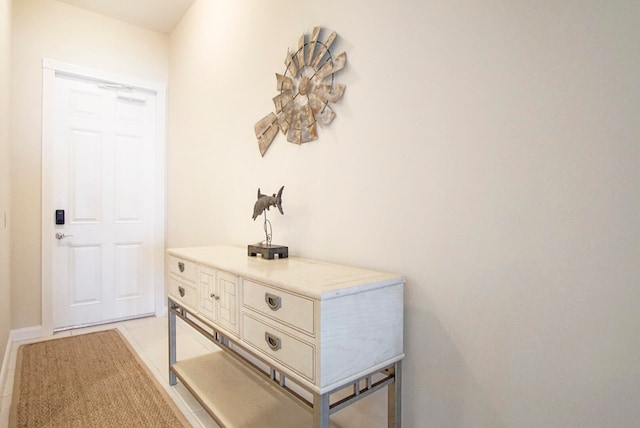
181, 266
181, 291
274, 302
273, 341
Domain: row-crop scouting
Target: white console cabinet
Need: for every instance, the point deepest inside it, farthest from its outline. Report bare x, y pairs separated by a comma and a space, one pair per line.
302, 338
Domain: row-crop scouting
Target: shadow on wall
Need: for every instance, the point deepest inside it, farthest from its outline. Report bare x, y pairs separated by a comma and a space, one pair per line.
448, 395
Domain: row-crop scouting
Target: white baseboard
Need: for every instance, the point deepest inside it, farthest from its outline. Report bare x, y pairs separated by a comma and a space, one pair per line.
26, 333
5, 363
16, 336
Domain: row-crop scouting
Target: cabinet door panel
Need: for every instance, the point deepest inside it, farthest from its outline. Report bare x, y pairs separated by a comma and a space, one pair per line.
208, 293
227, 301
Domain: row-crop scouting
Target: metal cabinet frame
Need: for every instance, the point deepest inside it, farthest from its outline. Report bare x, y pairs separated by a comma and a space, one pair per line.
322, 405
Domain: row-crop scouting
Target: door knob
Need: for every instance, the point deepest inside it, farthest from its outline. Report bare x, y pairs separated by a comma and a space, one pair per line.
61, 235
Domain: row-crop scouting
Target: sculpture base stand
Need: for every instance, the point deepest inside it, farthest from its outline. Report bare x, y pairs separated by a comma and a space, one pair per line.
268, 251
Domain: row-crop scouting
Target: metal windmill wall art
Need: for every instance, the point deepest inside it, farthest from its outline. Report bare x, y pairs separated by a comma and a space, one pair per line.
306, 89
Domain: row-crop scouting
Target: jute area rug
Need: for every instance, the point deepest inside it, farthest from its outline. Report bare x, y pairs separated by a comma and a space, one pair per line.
89, 380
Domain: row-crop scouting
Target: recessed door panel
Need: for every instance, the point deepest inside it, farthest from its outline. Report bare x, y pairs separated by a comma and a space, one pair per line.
84, 103
85, 275
128, 178
127, 271
85, 179
130, 110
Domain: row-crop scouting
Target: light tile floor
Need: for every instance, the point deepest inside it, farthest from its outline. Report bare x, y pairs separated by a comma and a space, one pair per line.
148, 336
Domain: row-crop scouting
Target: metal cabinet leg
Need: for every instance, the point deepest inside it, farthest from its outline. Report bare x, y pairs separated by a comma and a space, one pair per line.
321, 410
172, 345
394, 393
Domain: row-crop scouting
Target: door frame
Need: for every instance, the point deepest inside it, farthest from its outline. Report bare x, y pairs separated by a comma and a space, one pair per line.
51, 68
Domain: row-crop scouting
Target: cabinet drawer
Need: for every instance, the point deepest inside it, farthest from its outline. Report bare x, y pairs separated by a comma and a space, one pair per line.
182, 268
292, 352
183, 293
293, 310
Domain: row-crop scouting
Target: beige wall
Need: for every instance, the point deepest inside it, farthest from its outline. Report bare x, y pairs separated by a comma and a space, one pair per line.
5, 285
47, 28
488, 151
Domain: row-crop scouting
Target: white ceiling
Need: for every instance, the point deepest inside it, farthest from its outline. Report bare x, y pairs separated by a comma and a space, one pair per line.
158, 15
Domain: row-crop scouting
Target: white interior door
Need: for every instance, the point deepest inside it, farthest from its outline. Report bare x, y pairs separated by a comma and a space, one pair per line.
103, 177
